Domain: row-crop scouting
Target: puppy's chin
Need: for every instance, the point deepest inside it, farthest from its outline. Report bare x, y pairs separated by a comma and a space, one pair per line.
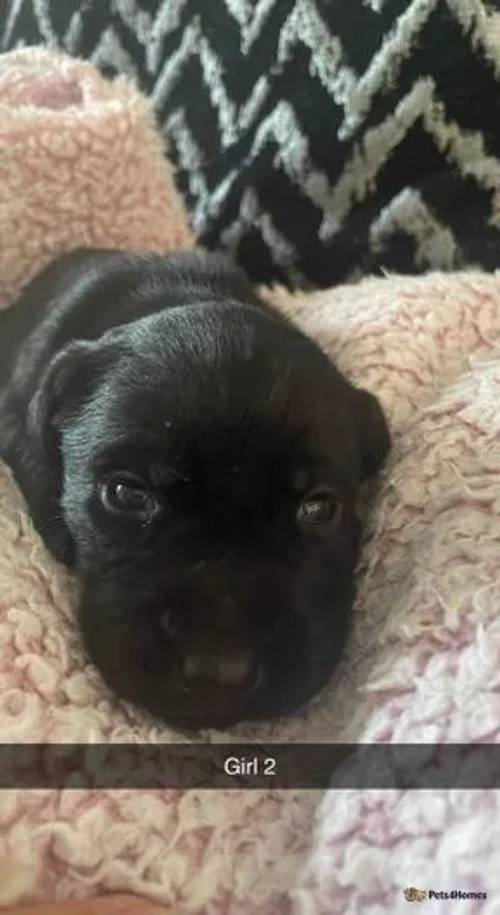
142, 665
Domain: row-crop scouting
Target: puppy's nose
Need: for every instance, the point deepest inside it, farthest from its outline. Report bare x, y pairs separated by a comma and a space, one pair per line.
236, 669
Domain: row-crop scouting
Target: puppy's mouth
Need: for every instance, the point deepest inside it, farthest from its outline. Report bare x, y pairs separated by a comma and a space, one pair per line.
226, 686
237, 670
221, 688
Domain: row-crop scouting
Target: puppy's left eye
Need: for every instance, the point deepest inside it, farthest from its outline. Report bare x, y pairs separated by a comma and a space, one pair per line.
129, 496
319, 508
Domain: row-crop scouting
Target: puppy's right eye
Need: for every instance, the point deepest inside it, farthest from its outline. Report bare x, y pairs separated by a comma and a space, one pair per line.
128, 495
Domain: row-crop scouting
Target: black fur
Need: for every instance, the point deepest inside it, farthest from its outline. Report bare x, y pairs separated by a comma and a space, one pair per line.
172, 368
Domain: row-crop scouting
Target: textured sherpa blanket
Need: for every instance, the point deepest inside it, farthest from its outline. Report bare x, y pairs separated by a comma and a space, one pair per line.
423, 662
81, 164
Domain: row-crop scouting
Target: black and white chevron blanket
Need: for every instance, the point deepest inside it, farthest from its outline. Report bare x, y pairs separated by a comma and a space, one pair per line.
319, 140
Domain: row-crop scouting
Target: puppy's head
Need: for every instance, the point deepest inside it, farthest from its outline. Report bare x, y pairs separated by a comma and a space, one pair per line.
210, 460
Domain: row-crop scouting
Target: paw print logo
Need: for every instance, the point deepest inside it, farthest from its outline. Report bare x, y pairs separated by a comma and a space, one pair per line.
411, 894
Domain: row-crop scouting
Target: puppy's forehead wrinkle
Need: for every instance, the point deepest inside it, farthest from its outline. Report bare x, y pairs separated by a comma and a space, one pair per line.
213, 333
167, 394
206, 330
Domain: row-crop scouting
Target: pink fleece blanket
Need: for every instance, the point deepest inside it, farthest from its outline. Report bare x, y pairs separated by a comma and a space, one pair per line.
81, 164
424, 660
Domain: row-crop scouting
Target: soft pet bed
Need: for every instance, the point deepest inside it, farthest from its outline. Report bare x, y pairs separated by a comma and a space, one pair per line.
80, 164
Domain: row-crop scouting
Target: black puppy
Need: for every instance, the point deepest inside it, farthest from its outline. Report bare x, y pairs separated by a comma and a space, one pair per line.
197, 460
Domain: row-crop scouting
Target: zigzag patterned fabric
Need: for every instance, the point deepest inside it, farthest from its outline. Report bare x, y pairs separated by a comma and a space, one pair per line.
318, 140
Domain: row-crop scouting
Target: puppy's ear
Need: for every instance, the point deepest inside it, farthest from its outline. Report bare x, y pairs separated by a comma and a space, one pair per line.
373, 432
35, 454
64, 384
